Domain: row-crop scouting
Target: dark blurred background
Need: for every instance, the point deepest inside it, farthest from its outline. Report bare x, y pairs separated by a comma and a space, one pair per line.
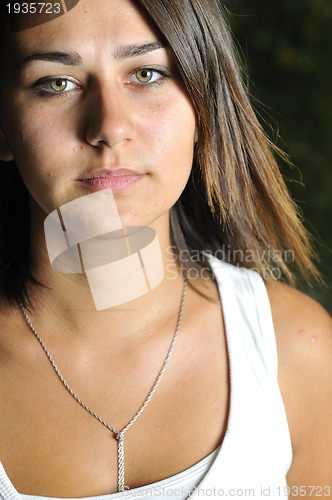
287, 47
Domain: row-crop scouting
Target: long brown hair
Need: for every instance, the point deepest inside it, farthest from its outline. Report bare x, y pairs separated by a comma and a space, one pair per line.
236, 204
236, 198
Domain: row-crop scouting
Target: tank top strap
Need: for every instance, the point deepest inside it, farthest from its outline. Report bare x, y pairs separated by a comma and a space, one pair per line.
248, 317
257, 450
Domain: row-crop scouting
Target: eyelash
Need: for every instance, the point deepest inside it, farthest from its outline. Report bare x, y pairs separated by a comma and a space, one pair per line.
164, 74
41, 85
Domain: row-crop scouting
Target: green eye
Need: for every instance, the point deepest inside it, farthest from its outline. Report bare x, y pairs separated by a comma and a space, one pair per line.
144, 75
58, 85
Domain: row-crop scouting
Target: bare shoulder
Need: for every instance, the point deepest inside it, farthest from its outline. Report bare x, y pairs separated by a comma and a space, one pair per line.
303, 327
291, 307
304, 340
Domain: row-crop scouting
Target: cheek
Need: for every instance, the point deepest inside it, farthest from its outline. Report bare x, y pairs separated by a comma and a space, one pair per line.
38, 141
40, 132
171, 133
170, 145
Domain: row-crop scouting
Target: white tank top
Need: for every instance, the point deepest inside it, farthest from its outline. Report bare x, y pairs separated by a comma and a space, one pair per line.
256, 452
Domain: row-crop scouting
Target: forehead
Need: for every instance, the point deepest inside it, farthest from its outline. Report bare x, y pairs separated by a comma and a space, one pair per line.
92, 27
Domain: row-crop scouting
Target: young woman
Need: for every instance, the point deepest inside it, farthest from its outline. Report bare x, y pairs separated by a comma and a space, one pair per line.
145, 98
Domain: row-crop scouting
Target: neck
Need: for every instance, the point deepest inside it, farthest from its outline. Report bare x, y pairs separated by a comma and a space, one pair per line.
67, 302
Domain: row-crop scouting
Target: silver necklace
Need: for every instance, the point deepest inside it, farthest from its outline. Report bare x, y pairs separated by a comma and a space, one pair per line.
120, 435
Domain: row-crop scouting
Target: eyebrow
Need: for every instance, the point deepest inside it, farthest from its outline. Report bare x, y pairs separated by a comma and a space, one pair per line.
66, 58
138, 49
74, 59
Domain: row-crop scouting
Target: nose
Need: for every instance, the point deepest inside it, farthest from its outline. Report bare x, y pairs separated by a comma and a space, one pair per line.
109, 119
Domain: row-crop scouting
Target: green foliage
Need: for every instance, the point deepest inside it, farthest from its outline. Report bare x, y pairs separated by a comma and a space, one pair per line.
287, 46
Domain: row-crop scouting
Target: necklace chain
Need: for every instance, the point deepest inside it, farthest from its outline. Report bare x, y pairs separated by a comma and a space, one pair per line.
120, 435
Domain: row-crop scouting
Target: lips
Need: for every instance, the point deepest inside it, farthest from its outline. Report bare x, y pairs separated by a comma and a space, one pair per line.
119, 179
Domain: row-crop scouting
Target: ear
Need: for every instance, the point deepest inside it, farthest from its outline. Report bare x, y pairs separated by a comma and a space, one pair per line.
5, 151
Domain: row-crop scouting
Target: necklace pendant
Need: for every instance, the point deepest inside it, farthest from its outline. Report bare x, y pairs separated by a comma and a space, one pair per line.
120, 437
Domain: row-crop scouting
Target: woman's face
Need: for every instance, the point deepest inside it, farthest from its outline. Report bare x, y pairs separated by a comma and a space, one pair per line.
89, 94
